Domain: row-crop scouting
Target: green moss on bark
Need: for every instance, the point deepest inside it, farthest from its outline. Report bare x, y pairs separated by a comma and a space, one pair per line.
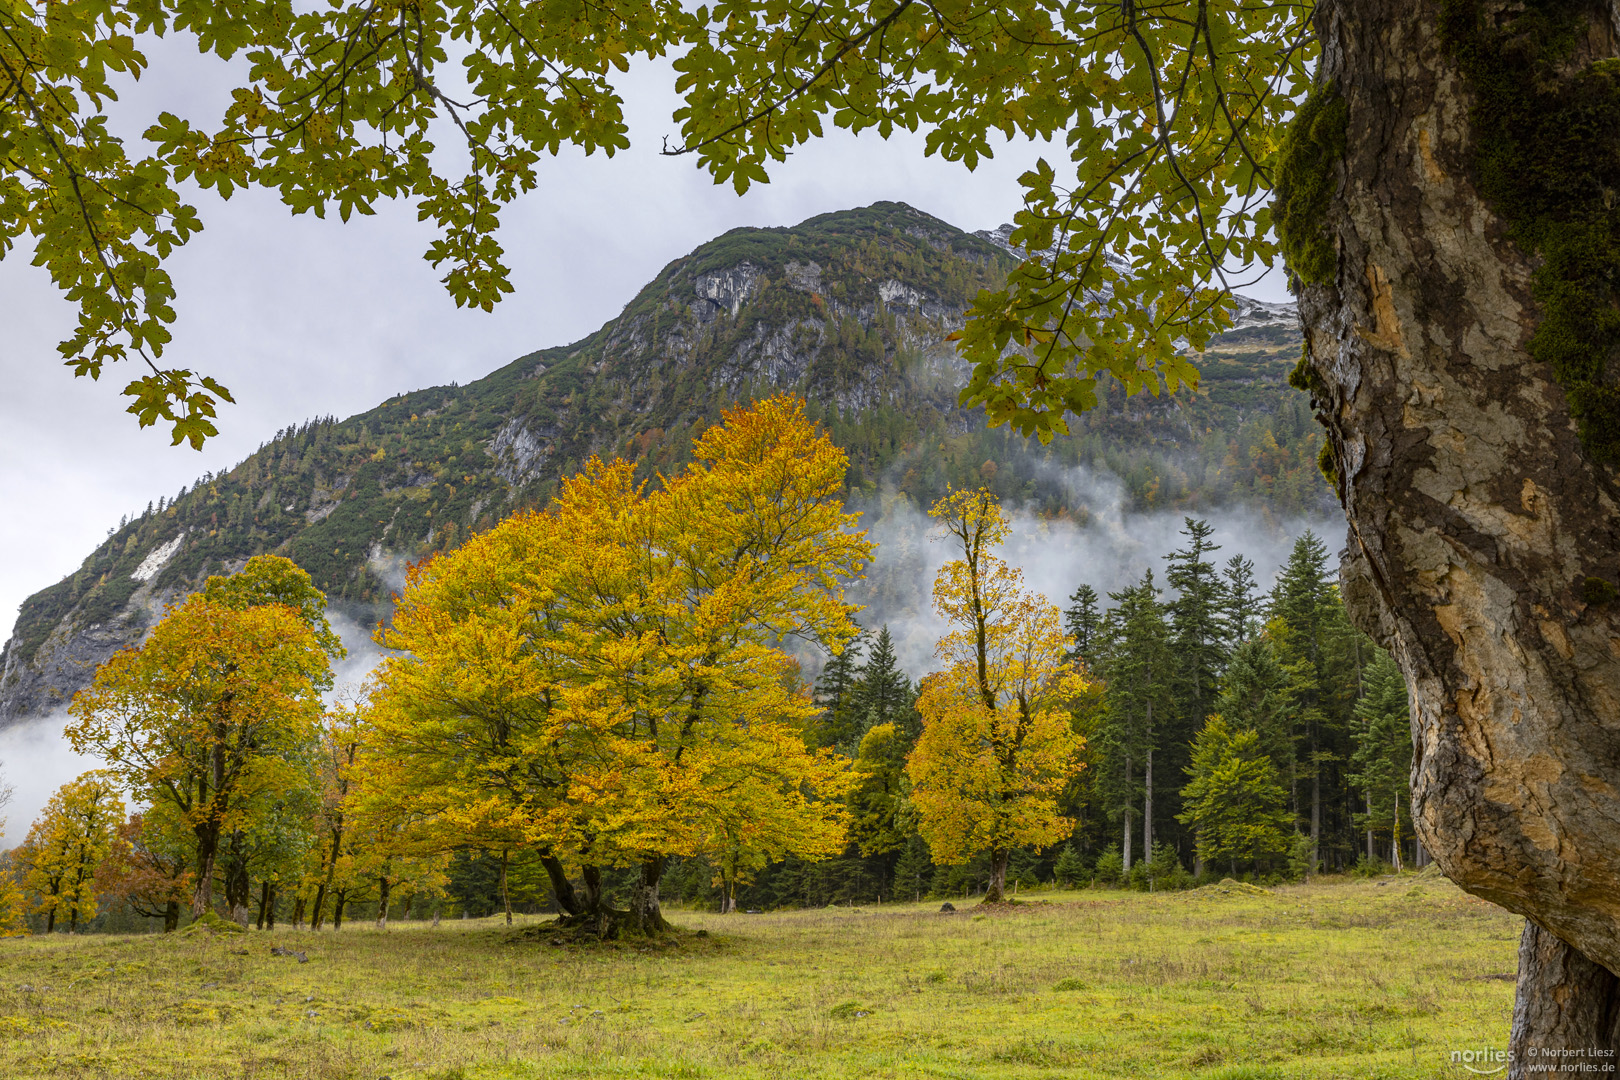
1305, 181
1547, 159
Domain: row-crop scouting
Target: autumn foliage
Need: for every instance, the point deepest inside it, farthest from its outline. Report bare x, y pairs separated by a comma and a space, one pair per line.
602, 681
997, 745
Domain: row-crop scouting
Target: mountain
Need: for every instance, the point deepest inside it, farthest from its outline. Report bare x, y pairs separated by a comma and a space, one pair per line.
849, 309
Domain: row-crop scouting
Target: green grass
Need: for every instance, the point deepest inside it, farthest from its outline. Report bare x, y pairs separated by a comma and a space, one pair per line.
1336, 979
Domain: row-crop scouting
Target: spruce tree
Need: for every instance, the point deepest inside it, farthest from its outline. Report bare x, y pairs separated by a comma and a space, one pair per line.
1240, 601
1316, 647
1084, 623
1198, 655
883, 695
839, 726
1233, 799
1069, 869
914, 872
1139, 674
1255, 697
1382, 764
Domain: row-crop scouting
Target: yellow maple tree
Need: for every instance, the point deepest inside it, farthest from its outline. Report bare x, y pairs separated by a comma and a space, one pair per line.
997, 745
603, 681
74, 834
215, 709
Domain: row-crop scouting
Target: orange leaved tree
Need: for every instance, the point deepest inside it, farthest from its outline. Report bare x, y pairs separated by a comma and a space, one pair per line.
997, 745
216, 709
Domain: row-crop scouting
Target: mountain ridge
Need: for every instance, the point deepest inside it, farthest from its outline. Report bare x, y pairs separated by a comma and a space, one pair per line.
851, 309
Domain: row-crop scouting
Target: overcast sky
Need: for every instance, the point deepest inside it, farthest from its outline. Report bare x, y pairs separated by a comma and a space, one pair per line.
302, 317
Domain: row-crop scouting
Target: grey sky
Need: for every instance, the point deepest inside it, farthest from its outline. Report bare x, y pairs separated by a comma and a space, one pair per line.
301, 317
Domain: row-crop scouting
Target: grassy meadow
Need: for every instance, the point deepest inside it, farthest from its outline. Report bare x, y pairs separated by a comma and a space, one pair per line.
1339, 978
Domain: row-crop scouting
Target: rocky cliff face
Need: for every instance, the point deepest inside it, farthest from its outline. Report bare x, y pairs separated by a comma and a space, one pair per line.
851, 310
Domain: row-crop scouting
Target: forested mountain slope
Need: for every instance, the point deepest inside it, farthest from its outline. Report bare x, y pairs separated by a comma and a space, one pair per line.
849, 309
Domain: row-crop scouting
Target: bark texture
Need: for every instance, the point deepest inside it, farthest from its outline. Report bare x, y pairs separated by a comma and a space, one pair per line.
1565, 1001
1475, 516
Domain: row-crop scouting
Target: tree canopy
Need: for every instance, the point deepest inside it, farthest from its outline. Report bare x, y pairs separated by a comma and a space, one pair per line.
1171, 117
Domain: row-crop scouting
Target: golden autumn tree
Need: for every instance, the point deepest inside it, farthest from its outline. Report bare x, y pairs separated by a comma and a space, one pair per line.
217, 709
603, 683
367, 846
76, 832
997, 745
13, 904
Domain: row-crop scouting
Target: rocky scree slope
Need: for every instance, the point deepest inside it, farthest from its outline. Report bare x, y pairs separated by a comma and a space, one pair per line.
849, 309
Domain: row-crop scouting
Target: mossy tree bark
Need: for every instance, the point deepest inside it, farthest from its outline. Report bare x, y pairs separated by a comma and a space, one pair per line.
1479, 517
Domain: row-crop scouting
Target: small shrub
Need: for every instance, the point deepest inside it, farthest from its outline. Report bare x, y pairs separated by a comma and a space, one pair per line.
1069, 870
849, 1010
1369, 868
1110, 868
1069, 984
1164, 870
1299, 858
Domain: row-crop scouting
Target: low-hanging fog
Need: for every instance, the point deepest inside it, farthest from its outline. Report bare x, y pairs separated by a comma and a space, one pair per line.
1105, 545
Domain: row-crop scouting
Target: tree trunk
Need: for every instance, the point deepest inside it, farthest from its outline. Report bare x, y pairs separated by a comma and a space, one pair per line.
384, 887
1147, 806
591, 876
563, 889
1370, 854
646, 916
207, 847
1395, 838
998, 876
1316, 812
1478, 520
264, 903
506, 900
298, 913
1127, 814
338, 899
171, 916
270, 908
1565, 1002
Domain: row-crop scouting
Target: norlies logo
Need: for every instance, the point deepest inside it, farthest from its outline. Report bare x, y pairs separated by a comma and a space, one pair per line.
1484, 1061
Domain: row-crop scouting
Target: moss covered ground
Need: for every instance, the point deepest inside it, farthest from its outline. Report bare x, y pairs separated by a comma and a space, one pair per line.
1340, 978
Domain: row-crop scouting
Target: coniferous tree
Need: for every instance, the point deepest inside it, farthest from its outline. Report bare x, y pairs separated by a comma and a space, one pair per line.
839, 726
1254, 697
1240, 601
1233, 799
1084, 621
1138, 671
882, 693
914, 872
1069, 869
1315, 645
1382, 764
1198, 654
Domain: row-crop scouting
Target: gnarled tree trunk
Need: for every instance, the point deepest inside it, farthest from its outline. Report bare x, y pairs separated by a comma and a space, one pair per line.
646, 914
1477, 517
